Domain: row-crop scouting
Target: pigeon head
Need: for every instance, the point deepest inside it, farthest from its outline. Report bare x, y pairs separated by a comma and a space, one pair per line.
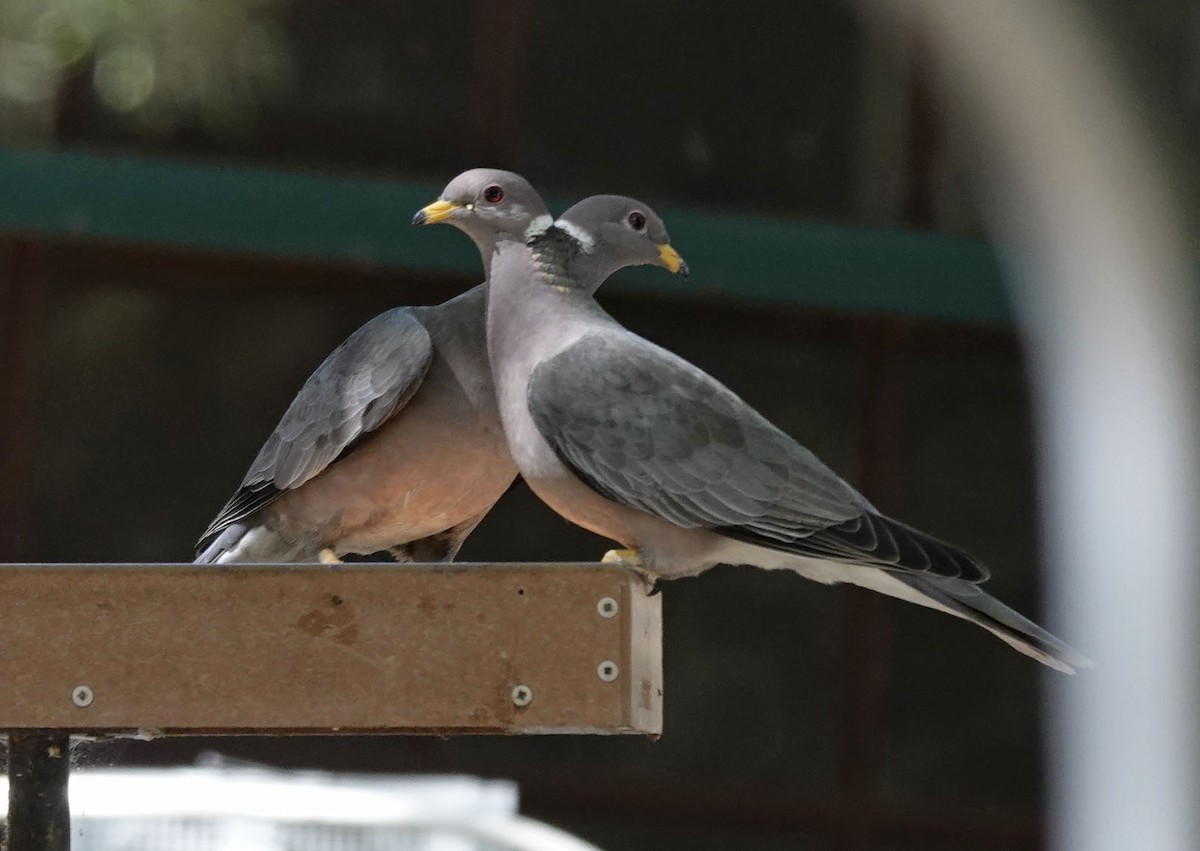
487, 204
614, 232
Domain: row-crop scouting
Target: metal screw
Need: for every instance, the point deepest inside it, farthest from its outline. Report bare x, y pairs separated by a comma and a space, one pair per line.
82, 696
608, 607
608, 671
522, 695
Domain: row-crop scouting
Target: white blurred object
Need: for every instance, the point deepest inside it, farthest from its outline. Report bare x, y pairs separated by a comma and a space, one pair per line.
258, 809
1106, 291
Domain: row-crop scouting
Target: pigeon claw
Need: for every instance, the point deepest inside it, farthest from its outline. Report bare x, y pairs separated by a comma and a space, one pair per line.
632, 560
623, 558
328, 556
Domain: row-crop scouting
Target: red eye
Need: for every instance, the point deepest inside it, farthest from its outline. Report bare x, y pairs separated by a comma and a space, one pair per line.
637, 220
493, 194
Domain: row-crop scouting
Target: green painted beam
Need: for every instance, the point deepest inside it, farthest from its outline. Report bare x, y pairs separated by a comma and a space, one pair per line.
359, 220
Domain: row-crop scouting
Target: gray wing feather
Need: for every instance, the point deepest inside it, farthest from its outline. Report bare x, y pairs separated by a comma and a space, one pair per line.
648, 430
362, 383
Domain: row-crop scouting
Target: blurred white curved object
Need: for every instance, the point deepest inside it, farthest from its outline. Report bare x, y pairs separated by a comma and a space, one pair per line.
1105, 289
232, 808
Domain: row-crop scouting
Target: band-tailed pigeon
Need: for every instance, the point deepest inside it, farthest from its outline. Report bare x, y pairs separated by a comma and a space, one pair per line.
394, 443
626, 439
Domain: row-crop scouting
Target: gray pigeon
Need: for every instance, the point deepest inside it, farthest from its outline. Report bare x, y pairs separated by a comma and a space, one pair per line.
628, 440
394, 443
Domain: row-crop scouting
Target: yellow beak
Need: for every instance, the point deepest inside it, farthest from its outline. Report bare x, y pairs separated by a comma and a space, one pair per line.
671, 259
436, 212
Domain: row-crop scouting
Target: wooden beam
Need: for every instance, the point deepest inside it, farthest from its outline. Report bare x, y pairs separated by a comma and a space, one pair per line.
503, 37
178, 649
364, 222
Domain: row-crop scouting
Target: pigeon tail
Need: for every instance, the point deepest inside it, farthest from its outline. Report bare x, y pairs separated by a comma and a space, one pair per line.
970, 602
222, 543
953, 596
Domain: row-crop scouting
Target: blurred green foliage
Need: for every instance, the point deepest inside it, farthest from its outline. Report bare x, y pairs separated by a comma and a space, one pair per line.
152, 62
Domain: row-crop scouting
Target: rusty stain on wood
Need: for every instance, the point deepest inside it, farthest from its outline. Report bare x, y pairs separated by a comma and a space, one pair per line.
362, 648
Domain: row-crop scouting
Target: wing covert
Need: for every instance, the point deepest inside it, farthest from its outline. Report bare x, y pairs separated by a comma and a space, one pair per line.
650, 431
363, 382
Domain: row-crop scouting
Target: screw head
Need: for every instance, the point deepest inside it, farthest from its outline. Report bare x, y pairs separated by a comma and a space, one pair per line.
82, 696
608, 671
608, 607
522, 695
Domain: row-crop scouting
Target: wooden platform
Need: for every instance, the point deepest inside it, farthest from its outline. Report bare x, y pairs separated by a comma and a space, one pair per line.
178, 649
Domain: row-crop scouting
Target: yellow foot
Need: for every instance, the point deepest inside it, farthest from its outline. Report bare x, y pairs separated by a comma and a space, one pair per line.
328, 556
623, 558
632, 560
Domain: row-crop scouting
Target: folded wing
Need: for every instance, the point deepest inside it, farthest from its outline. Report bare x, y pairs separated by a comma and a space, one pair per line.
648, 430
363, 382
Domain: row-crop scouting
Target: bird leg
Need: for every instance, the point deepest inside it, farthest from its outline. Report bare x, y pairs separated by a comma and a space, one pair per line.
328, 556
623, 558
631, 559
